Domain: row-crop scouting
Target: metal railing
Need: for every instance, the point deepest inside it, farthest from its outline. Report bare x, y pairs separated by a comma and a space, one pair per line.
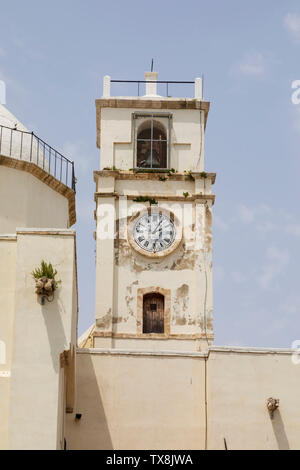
26, 146
167, 83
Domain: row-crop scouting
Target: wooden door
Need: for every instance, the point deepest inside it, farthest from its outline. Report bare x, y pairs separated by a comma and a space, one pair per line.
153, 313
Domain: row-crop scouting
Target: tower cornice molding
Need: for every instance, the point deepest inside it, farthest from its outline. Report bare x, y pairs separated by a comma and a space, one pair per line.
159, 197
152, 175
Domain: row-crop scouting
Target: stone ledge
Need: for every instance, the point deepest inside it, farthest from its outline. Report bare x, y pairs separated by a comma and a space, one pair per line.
125, 352
158, 197
8, 237
245, 350
149, 175
45, 231
157, 102
44, 177
160, 336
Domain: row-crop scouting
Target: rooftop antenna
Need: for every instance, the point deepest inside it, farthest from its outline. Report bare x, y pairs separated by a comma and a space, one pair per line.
152, 65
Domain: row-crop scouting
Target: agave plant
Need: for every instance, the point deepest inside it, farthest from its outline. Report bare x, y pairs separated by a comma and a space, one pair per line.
45, 278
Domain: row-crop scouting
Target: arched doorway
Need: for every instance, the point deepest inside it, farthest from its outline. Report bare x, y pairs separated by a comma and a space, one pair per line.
153, 313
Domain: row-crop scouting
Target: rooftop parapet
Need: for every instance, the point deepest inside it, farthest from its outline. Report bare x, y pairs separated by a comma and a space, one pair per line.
149, 84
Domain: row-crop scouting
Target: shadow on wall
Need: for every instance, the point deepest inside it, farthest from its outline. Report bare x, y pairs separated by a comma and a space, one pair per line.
52, 313
91, 431
279, 431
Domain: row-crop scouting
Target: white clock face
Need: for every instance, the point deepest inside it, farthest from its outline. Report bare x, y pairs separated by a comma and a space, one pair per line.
154, 232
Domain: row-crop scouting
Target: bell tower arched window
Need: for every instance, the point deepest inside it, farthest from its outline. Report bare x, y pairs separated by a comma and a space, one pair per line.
151, 146
153, 313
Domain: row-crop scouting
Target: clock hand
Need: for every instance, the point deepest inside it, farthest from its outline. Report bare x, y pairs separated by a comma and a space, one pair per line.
157, 226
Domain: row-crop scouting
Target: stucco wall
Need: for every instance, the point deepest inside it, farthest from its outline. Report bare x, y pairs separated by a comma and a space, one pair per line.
185, 273
239, 383
40, 334
122, 272
187, 131
27, 202
138, 401
148, 400
8, 253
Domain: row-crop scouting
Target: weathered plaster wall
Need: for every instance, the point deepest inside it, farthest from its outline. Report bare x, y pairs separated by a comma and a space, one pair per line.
121, 272
176, 272
138, 401
27, 202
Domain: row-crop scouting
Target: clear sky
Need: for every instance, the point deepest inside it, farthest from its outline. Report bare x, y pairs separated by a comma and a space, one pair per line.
53, 56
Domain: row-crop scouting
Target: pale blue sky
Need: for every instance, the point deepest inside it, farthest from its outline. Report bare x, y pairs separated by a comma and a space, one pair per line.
53, 56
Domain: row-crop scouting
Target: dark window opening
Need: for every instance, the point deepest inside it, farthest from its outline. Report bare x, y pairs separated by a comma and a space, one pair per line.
151, 140
153, 313
152, 146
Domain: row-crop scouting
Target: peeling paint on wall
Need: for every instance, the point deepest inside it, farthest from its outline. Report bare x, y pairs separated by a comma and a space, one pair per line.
117, 320
129, 299
188, 256
209, 321
208, 229
182, 258
181, 307
105, 321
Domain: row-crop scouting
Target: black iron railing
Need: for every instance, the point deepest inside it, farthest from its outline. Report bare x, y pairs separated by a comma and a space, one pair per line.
28, 147
167, 83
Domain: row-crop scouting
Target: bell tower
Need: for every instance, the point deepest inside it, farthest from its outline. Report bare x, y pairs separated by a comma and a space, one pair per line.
153, 220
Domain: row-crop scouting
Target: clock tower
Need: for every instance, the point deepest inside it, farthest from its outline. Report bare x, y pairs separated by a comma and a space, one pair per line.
153, 220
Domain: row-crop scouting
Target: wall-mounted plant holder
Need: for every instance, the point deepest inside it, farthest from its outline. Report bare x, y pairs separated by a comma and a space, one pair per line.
272, 405
45, 282
44, 287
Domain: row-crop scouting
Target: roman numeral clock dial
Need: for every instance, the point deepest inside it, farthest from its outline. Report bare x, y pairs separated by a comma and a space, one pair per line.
154, 232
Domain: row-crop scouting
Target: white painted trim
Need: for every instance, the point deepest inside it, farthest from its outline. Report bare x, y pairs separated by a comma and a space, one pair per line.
8, 236
45, 231
221, 349
241, 349
125, 352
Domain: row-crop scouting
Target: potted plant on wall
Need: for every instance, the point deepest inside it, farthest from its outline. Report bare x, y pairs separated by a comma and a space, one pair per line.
45, 281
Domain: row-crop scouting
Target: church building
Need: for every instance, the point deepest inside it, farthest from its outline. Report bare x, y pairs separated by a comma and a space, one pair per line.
146, 374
